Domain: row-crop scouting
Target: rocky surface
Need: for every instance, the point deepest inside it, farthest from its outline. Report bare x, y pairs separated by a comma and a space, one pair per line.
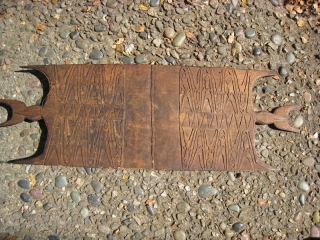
44, 202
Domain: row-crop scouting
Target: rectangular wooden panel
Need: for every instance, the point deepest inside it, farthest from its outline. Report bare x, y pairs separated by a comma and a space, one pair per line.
137, 126
165, 103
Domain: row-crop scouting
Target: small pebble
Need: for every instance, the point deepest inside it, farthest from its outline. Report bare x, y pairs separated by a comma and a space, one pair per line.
257, 51
276, 38
36, 194
150, 209
126, 221
82, 44
314, 232
212, 36
100, 28
228, 233
283, 72
237, 227
169, 32
141, 58
138, 190
96, 185
307, 97
183, 207
206, 191
75, 197
297, 217
47, 206
179, 235
222, 50
53, 237
290, 58
84, 212
250, 33
64, 35
25, 197
111, 4
298, 122
96, 55
126, 60
234, 207
303, 186
309, 161
154, 3
74, 35
93, 200
24, 184
131, 207
179, 39
11, 184
61, 181
302, 199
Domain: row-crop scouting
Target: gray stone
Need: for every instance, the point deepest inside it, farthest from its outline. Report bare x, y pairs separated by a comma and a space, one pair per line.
170, 59
114, 27
276, 38
61, 181
265, 153
138, 190
93, 200
104, 229
250, 33
154, 3
157, 42
183, 207
47, 206
309, 161
141, 58
64, 34
179, 39
74, 35
43, 51
206, 191
298, 122
75, 197
143, 35
234, 207
53, 237
25, 197
112, 4
169, 32
96, 185
290, 58
228, 233
126, 60
283, 72
212, 36
100, 28
96, 55
302, 199
314, 232
82, 44
126, 221
257, 51
179, 235
150, 209
28, 7
304, 186
24, 184
74, 21
222, 50
84, 212
237, 227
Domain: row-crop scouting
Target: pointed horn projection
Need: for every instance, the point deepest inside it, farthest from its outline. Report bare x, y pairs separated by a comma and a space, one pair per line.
279, 118
20, 112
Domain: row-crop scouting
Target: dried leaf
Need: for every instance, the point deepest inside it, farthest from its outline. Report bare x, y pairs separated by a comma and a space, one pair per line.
33, 181
116, 231
54, 1
119, 48
4, 67
68, 62
56, 16
85, 9
139, 29
40, 27
244, 3
190, 35
231, 38
276, 77
23, 23
301, 23
119, 41
143, 7
125, 177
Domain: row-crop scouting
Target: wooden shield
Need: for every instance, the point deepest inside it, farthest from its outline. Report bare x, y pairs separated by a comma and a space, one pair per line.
149, 117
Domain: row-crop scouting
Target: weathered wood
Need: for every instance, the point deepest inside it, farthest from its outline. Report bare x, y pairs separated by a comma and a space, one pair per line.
149, 117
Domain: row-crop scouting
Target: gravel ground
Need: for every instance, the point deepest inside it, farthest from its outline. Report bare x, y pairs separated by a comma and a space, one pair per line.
44, 202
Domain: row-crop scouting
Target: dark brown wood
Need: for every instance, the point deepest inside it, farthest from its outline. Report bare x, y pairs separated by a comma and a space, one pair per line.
149, 117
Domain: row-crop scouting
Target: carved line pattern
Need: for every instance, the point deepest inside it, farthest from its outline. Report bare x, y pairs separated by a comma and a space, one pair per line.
216, 127
88, 125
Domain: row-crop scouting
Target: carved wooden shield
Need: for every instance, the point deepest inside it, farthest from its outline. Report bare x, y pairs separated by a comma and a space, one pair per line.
149, 117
